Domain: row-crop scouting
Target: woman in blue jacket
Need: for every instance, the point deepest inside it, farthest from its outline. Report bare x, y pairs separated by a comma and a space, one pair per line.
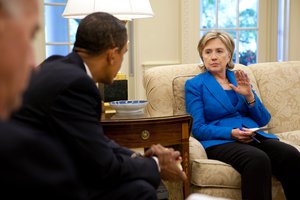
224, 108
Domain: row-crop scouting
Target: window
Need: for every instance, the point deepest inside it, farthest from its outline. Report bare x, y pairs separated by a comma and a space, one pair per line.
237, 17
59, 32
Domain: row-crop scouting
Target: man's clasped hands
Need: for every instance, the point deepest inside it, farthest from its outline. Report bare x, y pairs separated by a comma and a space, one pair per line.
169, 162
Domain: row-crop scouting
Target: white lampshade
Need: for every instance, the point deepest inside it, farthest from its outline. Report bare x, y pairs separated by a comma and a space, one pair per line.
122, 9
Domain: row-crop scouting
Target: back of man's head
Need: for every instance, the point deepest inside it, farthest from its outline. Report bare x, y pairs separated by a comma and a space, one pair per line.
99, 32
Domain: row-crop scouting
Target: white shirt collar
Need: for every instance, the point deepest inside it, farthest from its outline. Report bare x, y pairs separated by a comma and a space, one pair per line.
88, 70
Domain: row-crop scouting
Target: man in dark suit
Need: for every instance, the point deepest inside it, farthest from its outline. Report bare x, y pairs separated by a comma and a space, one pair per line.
63, 100
33, 165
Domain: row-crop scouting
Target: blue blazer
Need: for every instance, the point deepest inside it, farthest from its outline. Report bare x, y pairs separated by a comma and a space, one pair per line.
213, 113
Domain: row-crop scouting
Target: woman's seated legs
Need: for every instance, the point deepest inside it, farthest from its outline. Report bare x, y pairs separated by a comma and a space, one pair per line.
285, 161
252, 163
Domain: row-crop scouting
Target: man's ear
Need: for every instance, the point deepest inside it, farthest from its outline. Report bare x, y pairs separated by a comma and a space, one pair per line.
111, 54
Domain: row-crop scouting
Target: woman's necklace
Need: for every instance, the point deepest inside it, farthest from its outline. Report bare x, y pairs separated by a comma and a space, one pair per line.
223, 82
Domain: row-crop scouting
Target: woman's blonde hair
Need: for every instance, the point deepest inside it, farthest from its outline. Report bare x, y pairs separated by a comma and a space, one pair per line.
224, 37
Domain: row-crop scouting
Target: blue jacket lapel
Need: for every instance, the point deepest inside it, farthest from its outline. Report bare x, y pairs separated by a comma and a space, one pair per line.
231, 77
218, 92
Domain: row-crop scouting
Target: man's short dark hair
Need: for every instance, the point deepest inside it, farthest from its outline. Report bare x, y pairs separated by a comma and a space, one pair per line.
99, 32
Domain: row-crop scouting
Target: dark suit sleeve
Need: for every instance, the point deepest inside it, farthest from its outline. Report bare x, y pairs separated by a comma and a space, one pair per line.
35, 166
75, 115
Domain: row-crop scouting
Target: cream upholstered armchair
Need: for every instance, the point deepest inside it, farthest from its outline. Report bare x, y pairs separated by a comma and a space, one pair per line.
278, 86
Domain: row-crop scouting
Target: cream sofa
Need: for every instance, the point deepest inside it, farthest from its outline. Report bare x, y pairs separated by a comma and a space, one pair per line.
278, 86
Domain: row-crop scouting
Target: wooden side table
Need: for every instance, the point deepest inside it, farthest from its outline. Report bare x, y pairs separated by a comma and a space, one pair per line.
141, 131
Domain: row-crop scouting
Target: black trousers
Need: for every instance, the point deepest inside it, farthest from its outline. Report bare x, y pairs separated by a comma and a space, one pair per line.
257, 162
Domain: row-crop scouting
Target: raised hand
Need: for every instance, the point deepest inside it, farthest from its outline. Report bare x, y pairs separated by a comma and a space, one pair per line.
243, 85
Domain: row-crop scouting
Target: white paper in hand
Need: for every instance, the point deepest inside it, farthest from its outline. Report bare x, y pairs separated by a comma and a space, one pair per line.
260, 129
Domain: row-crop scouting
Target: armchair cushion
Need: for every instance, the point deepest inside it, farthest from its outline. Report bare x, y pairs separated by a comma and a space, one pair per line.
224, 175
178, 93
158, 85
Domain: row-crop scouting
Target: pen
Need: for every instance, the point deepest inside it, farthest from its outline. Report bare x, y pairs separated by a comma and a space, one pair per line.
254, 138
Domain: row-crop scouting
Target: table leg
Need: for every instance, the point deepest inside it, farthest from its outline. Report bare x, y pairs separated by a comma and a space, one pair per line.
186, 169
186, 158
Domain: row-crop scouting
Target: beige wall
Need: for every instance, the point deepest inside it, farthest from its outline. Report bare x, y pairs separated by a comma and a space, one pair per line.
156, 41
170, 37
267, 42
294, 32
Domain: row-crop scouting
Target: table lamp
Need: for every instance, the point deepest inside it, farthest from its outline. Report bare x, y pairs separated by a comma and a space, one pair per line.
125, 10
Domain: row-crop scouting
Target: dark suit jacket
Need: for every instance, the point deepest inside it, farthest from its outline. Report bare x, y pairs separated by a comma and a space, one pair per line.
35, 166
65, 102
215, 116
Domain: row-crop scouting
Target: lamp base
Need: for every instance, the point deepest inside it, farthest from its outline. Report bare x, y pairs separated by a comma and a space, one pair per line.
118, 90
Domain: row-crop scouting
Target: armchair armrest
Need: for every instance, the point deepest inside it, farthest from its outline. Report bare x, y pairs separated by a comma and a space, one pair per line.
196, 149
